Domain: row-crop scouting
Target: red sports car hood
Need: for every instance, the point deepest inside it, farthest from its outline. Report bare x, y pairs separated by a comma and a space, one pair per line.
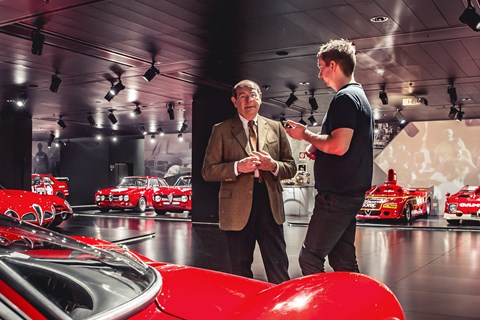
174, 190
117, 190
18, 198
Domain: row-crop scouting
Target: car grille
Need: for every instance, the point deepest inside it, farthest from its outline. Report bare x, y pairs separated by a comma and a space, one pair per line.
370, 212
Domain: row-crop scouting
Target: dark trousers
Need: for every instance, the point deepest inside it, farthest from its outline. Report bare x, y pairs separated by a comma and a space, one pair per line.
331, 232
261, 228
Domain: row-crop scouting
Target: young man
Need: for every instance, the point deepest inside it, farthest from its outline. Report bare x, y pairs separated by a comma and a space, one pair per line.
343, 167
249, 155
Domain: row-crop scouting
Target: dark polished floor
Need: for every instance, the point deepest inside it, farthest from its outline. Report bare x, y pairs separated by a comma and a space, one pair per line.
433, 269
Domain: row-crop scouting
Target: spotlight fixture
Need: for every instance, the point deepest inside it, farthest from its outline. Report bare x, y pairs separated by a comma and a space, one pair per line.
184, 126
61, 123
114, 90
151, 72
112, 117
470, 17
152, 138
383, 96
21, 100
460, 114
170, 111
91, 120
136, 111
180, 136
142, 130
399, 116
55, 84
302, 121
37, 42
453, 112
452, 92
160, 131
313, 102
50, 139
312, 120
291, 99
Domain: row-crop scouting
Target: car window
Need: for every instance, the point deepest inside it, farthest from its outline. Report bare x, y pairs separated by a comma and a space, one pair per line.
37, 181
142, 182
154, 182
47, 180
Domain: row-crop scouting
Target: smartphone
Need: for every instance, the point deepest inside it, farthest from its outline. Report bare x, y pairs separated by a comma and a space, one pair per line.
286, 125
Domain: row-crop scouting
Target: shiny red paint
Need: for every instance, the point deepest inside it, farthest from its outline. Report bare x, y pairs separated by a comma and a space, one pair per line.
50, 185
113, 198
463, 205
27, 206
177, 198
392, 201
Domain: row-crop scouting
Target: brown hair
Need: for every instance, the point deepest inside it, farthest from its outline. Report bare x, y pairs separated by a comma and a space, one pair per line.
342, 52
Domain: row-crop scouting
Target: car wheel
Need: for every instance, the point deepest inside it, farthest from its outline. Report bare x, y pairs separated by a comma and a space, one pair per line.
104, 209
162, 212
141, 205
60, 194
453, 222
407, 212
428, 209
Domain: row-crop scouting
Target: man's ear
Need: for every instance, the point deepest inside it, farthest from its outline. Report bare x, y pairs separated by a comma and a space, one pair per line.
233, 100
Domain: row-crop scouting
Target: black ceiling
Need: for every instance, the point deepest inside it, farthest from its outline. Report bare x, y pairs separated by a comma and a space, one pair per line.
417, 52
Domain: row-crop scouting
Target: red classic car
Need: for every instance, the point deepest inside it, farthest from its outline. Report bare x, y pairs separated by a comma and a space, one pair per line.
176, 198
27, 206
463, 205
133, 192
47, 275
48, 184
391, 201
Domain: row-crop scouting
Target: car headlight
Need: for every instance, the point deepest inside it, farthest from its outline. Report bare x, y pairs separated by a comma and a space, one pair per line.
102, 197
126, 197
97, 197
120, 198
452, 207
184, 198
157, 198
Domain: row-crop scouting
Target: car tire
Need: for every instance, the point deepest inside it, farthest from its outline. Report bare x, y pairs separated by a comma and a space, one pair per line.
161, 212
407, 211
141, 205
453, 222
104, 210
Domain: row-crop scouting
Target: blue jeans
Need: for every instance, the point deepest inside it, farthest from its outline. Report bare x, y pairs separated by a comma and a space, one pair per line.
331, 232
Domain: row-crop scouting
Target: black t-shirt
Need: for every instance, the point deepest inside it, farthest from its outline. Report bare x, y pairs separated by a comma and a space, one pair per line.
350, 174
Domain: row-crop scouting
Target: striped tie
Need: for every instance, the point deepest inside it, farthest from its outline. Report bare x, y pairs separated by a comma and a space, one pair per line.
253, 135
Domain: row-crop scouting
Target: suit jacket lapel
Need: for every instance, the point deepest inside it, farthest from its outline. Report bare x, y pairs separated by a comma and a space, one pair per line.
239, 133
262, 132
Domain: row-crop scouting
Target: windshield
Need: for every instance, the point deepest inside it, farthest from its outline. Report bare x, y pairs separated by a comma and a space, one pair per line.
183, 181
133, 182
79, 279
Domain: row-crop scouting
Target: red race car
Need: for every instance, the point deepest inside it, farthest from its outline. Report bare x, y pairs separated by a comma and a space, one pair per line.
28, 206
48, 184
177, 198
135, 192
47, 275
463, 205
391, 201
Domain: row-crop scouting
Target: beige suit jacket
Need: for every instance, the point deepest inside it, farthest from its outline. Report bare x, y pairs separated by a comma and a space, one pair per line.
228, 143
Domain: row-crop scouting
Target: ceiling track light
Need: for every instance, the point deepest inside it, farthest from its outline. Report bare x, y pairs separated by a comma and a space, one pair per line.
50, 139
91, 120
460, 114
136, 111
37, 42
61, 123
160, 131
151, 72
180, 136
470, 17
313, 102
452, 92
312, 120
55, 84
114, 90
21, 100
302, 121
399, 116
112, 117
170, 111
184, 126
383, 96
291, 99
142, 130
453, 112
